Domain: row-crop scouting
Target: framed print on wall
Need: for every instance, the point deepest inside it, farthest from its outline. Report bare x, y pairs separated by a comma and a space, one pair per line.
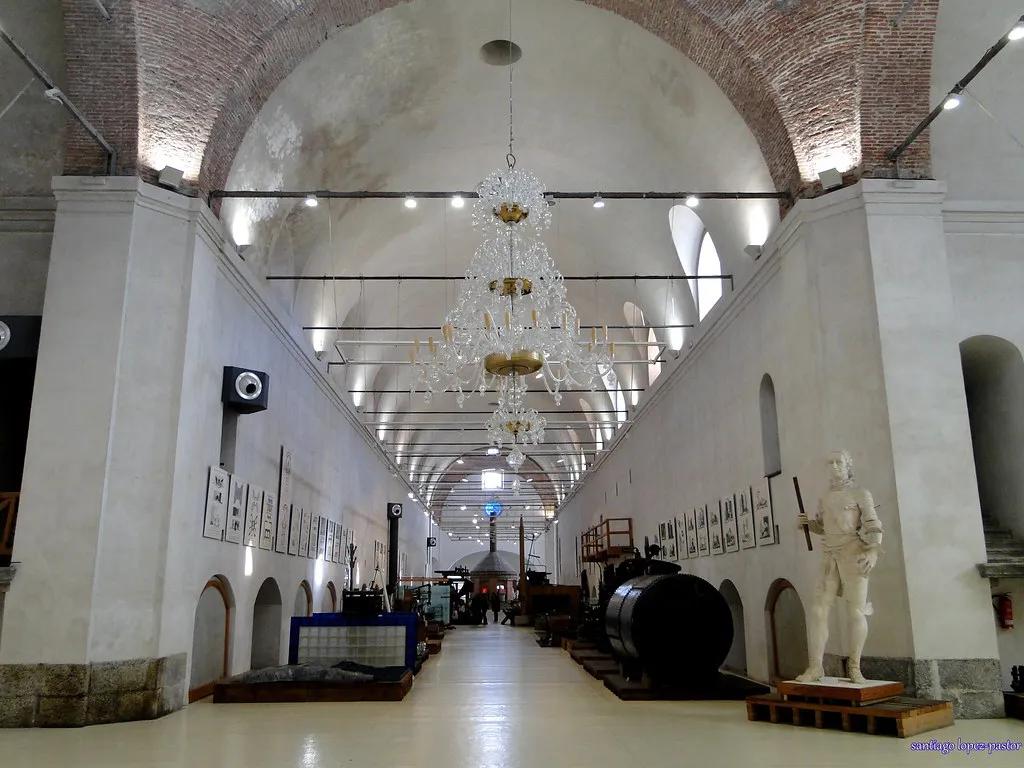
321, 542
329, 547
730, 533
690, 521
269, 524
681, 549
294, 529
715, 528
745, 517
236, 511
306, 521
673, 552
284, 503
339, 544
253, 517
764, 518
314, 535
217, 491
703, 540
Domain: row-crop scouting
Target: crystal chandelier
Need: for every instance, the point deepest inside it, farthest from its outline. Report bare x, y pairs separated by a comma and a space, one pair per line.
511, 318
513, 422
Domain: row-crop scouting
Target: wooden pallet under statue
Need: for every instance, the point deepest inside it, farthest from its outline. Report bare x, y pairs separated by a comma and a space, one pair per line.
876, 707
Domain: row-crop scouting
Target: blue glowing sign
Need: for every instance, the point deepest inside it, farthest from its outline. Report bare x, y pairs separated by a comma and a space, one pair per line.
492, 508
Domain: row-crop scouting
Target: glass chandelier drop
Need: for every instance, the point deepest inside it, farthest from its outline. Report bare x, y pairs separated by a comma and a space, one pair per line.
513, 422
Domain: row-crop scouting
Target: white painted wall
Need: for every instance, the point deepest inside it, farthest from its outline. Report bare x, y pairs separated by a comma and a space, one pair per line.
171, 308
809, 318
26, 235
976, 150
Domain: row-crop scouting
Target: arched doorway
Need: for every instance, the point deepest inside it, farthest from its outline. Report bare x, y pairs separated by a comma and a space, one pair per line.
329, 599
736, 661
211, 638
266, 627
303, 605
787, 632
994, 385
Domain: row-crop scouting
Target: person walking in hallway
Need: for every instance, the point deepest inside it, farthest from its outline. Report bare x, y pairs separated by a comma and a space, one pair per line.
495, 604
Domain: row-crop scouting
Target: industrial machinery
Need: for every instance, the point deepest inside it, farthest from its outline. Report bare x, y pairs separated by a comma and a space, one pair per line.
669, 629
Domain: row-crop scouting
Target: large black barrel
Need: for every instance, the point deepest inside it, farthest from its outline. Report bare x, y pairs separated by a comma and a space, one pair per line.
678, 627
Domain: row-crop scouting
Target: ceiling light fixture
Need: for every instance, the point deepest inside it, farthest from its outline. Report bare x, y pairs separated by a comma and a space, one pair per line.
410, 495
952, 101
458, 202
311, 201
410, 202
492, 451
463, 508
598, 202
692, 201
459, 461
1017, 32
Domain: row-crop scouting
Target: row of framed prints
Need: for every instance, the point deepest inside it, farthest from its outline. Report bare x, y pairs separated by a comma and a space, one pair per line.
741, 521
246, 514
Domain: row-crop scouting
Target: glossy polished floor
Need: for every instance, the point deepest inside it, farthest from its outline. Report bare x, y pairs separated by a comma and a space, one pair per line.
492, 699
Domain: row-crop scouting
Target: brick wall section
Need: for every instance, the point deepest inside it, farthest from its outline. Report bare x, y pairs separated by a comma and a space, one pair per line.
830, 76
102, 81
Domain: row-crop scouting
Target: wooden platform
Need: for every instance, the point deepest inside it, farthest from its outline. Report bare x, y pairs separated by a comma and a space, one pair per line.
839, 690
233, 691
601, 668
580, 655
725, 688
570, 643
1014, 704
901, 716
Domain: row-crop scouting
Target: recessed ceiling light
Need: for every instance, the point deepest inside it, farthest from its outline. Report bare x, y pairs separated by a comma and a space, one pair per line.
410, 202
951, 102
492, 451
692, 201
458, 202
311, 201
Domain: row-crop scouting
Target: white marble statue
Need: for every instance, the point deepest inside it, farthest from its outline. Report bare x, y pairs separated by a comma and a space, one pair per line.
852, 539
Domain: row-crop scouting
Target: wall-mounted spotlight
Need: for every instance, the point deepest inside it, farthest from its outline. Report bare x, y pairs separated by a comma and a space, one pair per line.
458, 202
754, 251
830, 178
410, 202
598, 202
311, 201
952, 101
170, 178
692, 201
1017, 32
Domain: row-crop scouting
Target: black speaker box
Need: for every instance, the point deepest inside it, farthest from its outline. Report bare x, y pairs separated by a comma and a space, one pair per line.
245, 390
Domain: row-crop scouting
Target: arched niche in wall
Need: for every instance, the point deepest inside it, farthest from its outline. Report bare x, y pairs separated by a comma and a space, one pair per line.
770, 448
303, 605
736, 661
994, 385
329, 599
211, 637
786, 631
266, 626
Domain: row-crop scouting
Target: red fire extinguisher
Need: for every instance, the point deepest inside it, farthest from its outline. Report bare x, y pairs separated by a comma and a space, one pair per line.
1004, 610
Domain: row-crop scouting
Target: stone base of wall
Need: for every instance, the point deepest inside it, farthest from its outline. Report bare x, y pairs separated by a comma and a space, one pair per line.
73, 695
973, 685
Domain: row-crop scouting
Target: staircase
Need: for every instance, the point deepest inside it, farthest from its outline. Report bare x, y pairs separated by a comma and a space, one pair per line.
1005, 554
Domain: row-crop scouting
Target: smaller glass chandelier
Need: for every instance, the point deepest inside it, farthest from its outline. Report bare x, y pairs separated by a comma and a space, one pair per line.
513, 422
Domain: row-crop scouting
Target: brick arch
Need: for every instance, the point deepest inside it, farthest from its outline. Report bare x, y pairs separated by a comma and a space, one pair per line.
195, 73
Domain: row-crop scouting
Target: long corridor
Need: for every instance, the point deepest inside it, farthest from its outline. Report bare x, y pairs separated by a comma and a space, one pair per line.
493, 698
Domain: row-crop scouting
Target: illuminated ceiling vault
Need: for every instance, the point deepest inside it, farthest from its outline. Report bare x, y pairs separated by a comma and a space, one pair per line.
405, 101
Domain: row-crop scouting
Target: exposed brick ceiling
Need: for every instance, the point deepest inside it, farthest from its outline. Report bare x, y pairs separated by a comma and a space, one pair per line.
826, 76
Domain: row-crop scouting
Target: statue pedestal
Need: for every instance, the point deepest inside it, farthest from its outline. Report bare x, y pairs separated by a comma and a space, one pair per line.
841, 690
